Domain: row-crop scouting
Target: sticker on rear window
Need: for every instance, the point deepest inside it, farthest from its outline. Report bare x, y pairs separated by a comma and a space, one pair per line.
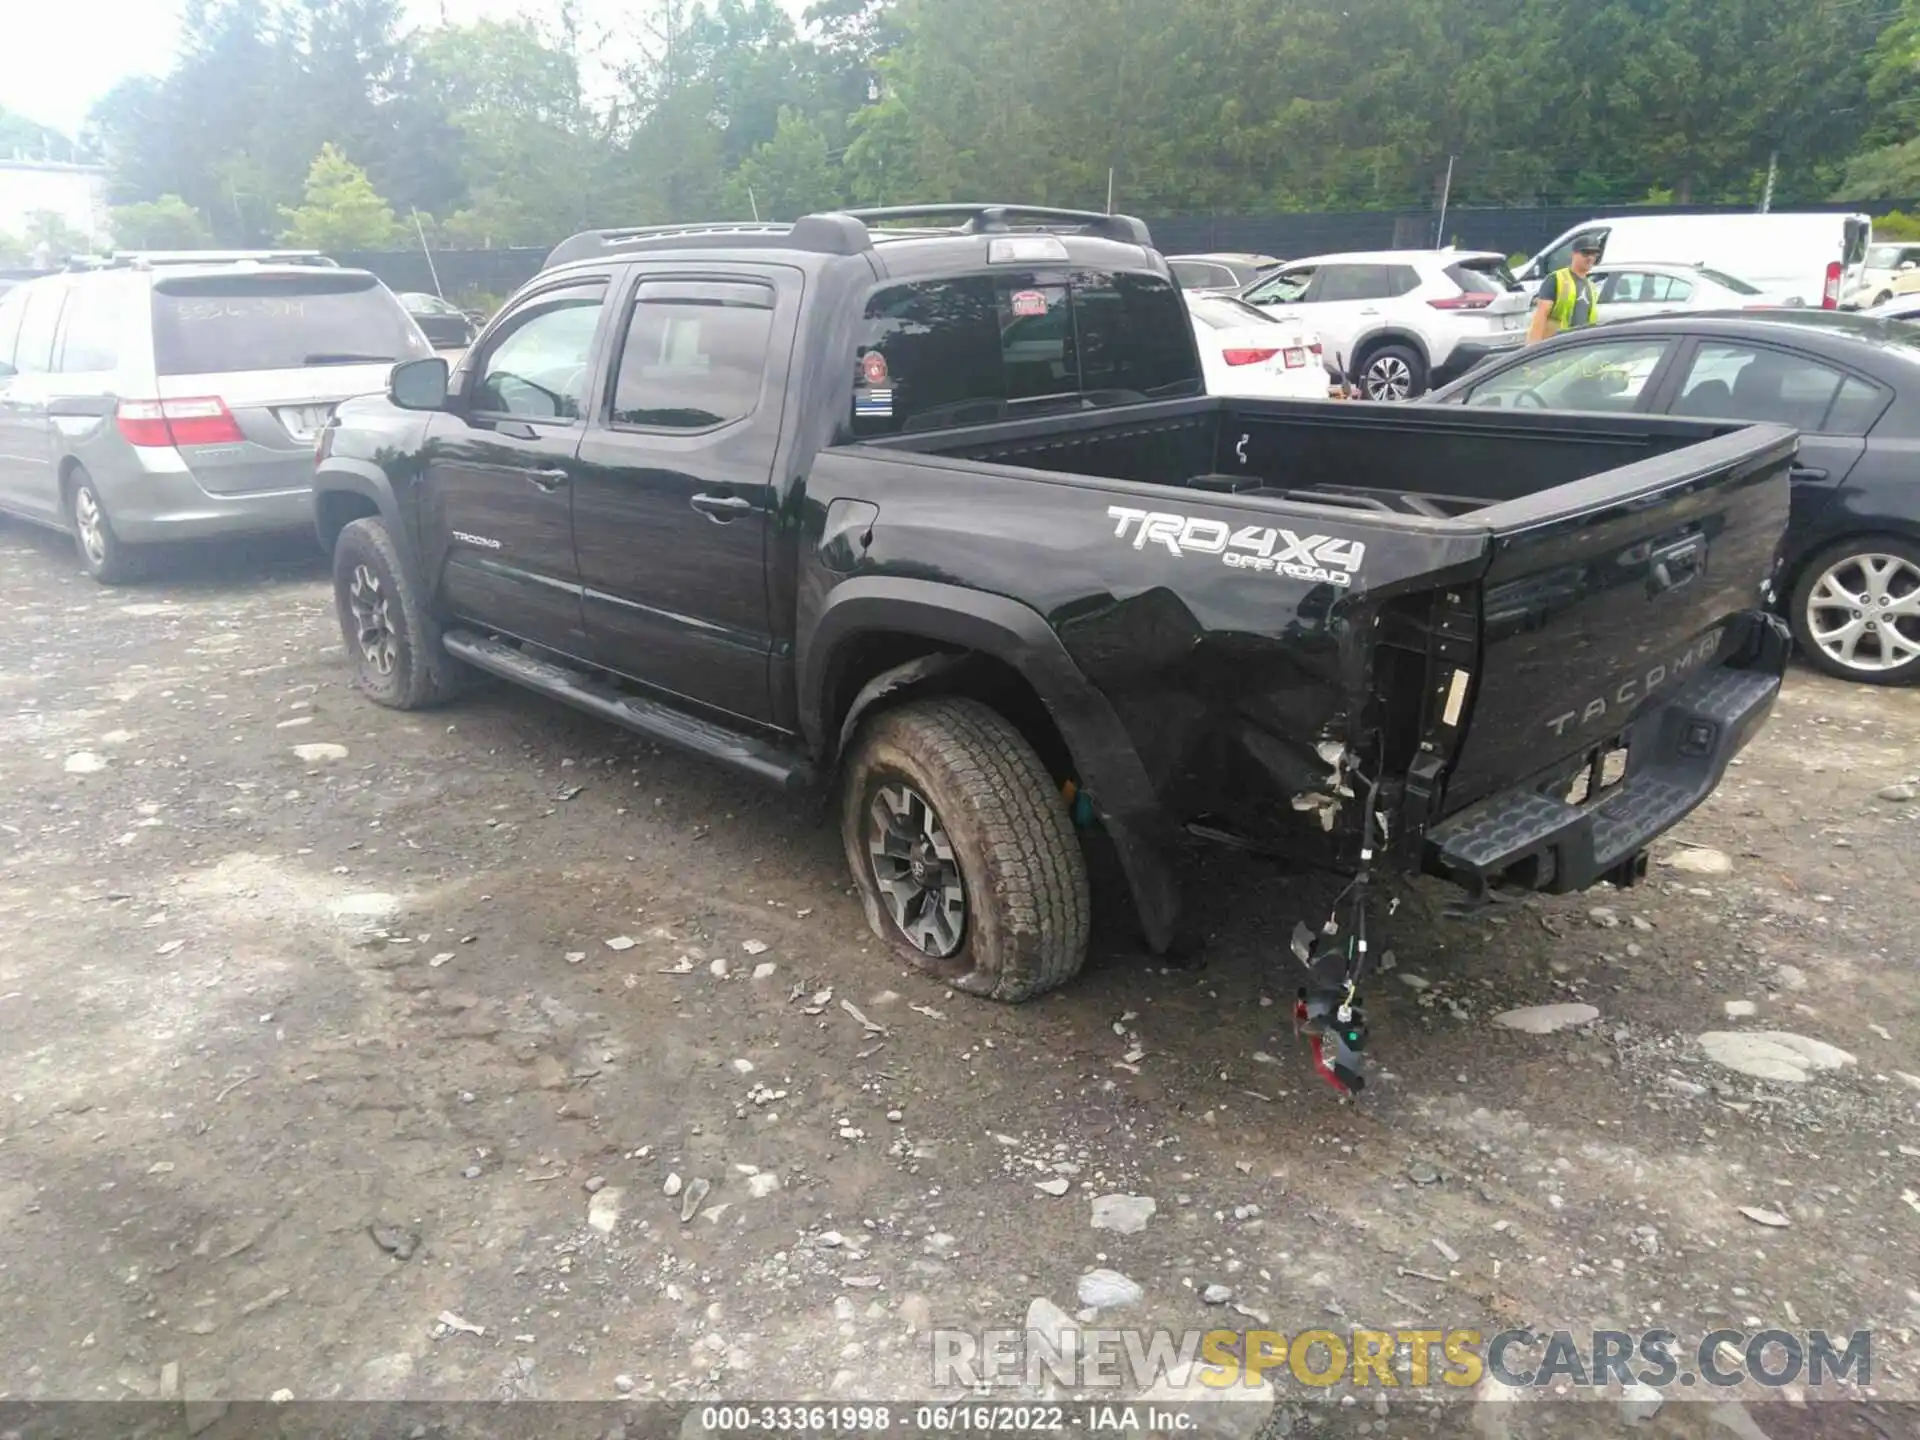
874, 368
1030, 302
873, 404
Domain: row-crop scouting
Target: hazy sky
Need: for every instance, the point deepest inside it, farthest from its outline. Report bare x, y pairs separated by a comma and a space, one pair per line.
59, 56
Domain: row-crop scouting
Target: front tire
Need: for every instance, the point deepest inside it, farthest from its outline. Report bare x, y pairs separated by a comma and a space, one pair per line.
963, 851
1856, 610
1393, 373
393, 641
106, 557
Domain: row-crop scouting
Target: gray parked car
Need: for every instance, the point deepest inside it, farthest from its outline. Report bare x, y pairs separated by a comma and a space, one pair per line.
175, 398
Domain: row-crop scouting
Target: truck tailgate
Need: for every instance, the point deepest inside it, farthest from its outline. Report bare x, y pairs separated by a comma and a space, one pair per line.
1608, 592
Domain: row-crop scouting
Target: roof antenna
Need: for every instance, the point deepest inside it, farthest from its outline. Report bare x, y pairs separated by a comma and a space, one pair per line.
753, 204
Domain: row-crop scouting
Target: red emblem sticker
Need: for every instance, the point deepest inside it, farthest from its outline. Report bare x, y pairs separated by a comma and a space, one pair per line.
1030, 302
874, 368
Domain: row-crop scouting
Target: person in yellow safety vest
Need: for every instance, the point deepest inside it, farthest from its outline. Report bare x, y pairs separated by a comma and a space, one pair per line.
1565, 299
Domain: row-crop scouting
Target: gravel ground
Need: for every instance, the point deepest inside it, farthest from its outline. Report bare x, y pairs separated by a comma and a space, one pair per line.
362, 1071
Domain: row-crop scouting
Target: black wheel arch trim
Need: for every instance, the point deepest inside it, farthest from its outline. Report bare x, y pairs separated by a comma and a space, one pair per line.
1110, 769
369, 482
1374, 340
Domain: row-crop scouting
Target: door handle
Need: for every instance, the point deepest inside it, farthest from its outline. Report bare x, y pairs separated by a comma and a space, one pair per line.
548, 480
1807, 472
721, 509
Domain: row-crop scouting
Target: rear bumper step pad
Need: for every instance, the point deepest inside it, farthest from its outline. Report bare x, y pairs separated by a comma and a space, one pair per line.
1676, 754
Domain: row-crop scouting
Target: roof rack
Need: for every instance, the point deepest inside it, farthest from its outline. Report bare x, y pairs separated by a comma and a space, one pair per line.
850, 232
979, 219
154, 259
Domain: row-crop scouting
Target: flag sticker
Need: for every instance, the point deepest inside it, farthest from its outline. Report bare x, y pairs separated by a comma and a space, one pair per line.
1030, 302
873, 404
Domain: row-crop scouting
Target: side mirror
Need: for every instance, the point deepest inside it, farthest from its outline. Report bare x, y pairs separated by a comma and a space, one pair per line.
419, 384
1906, 265
7, 371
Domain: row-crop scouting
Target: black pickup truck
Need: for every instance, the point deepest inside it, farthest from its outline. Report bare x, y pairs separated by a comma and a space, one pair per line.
928, 505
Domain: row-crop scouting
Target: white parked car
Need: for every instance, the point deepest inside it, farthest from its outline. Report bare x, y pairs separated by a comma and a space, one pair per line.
1627, 292
1401, 322
1891, 270
1246, 352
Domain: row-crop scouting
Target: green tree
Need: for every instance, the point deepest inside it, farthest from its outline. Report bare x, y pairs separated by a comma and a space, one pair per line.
50, 240
13, 251
342, 210
788, 176
168, 223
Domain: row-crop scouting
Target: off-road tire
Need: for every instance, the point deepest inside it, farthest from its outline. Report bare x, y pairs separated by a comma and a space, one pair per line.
1025, 877
107, 558
421, 673
1798, 617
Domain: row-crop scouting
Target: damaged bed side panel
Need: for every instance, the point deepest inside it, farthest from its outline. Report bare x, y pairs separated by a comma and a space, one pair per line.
1248, 691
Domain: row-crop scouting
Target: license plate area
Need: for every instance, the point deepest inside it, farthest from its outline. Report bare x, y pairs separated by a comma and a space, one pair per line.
1295, 356
1603, 772
304, 422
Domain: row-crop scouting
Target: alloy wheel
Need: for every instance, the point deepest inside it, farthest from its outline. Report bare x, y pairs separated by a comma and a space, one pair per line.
1388, 378
916, 871
372, 627
91, 524
1864, 612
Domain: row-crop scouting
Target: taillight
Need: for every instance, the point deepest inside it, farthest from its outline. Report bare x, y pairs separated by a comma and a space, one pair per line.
1249, 357
204, 420
1465, 300
1830, 297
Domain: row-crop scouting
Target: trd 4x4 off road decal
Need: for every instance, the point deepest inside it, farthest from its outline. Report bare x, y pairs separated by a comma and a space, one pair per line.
1325, 559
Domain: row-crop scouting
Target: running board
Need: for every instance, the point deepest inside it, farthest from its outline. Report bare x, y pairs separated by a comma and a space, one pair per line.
655, 720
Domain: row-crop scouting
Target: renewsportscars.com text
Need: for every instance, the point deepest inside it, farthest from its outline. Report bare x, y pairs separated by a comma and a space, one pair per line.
1095, 1359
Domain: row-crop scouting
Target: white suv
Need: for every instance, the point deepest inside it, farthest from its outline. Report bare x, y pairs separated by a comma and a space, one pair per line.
1398, 323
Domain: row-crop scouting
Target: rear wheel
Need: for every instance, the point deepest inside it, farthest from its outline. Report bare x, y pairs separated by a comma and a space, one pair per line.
1883, 298
392, 641
1393, 372
106, 558
1856, 610
963, 851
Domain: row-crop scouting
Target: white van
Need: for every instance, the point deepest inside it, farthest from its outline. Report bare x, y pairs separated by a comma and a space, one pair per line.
1812, 259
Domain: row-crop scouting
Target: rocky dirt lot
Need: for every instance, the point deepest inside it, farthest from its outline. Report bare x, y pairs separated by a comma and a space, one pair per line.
348, 1054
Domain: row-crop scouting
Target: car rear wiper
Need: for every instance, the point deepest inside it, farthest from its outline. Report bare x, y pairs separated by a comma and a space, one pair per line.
346, 357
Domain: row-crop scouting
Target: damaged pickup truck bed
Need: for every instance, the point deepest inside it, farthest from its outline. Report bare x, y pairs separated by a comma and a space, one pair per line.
928, 505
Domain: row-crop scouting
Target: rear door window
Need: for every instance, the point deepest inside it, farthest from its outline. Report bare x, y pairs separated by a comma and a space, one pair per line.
1737, 381
1354, 282
978, 348
1200, 275
219, 324
695, 354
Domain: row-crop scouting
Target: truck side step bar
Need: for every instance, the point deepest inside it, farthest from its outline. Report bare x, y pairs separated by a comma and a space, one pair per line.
657, 721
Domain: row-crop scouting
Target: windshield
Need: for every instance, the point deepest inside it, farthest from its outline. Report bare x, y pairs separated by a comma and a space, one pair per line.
1223, 312
1884, 257
1729, 282
218, 324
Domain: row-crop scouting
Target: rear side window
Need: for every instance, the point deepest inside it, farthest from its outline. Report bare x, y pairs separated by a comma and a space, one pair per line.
1200, 275
1475, 282
96, 318
695, 355
1402, 280
1855, 408
979, 348
33, 350
218, 324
